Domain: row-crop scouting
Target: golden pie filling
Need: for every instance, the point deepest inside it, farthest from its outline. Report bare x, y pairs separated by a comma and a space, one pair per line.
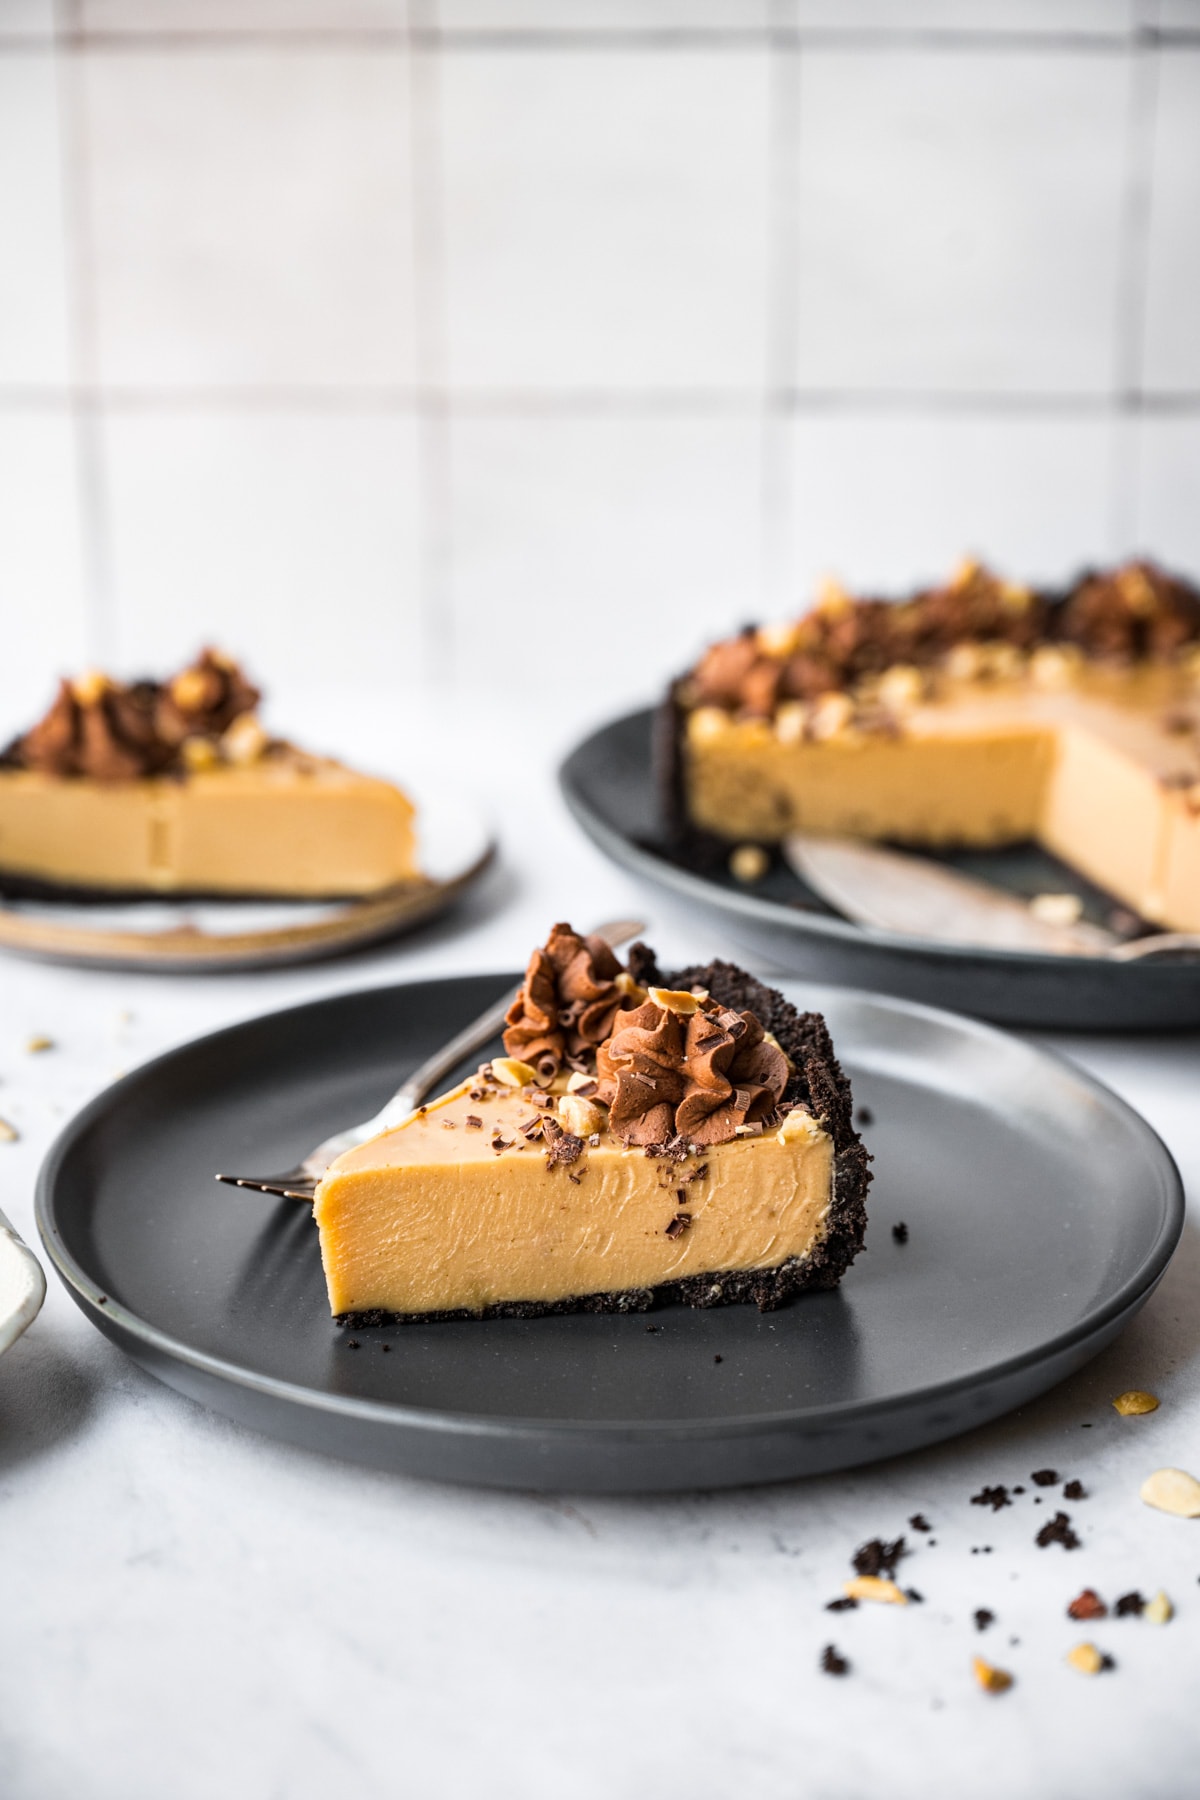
922, 724
446, 1214
174, 787
639, 1141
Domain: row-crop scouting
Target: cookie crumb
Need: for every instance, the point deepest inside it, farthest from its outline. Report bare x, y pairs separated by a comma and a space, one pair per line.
919, 1522
1057, 1531
1129, 1605
984, 1617
876, 1557
1074, 1490
833, 1662
995, 1497
1044, 1477
900, 1232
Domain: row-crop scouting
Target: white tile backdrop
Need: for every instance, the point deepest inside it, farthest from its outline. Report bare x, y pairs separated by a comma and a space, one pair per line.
387, 339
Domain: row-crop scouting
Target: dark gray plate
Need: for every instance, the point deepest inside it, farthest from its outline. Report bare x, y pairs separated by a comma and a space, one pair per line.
609, 786
1041, 1211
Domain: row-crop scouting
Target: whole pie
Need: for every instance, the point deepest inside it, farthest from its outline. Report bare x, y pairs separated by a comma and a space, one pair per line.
646, 1137
174, 788
978, 713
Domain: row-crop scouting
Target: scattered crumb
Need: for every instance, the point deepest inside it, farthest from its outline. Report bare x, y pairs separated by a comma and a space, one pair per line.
875, 1587
984, 1617
385, 1348
1074, 1490
718, 1359
1130, 1605
833, 1663
353, 1344
1173, 1491
877, 1557
37, 1044
990, 1679
900, 1232
1136, 1401
1018, 1490
8, 1133
864, 1116
1158, 1610
920, 1523
1044, 1477
847, 1603
749, 863
652, 1328
995, 1497
916, 1598
1057, 1531
1057, 909
1087, 1605
1088, 1660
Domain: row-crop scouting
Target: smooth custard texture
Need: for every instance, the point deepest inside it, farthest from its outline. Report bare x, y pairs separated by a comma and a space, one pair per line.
1095, 771
304, 826
429, 1217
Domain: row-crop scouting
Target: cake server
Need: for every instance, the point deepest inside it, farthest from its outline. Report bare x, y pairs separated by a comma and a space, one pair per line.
888, 890
22, 1285
300, 1183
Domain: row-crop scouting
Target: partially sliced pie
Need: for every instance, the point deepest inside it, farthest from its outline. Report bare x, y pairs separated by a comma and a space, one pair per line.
977, 713
174, 788
646, 1137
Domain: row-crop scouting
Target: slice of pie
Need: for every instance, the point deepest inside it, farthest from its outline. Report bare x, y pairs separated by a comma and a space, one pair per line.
646, 1137
174, 788
978, 713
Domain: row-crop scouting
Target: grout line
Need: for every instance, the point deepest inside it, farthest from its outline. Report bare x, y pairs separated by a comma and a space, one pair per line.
434, 449
1132, 282
784, 74
90, 474
590, 403
650, 38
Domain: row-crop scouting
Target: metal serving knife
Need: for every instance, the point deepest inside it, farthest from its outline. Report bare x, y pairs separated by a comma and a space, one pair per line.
889, 890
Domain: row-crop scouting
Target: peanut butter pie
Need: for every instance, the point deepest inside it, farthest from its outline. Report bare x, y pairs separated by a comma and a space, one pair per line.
646, 1136
174, 788
978, 713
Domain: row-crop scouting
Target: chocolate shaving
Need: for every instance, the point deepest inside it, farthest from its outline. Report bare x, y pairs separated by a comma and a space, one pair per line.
679, 1224
565, 1148
475, 1124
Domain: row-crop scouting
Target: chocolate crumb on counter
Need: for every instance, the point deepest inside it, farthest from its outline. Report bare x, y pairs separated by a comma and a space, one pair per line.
995, 1497
1044, 1477
1130, 1605
653, 1328
864, 1116
900, 1232
353, 1344
385, 1348
833, 1663
1057, 1531
919, 1522
984, 1617
877, 1557
917, 1599
1018, 1490
1074, 1490
718, 1359
1087, 1605
846, 1603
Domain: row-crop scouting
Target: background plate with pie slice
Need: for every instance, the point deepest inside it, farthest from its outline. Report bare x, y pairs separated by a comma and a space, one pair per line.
180, 937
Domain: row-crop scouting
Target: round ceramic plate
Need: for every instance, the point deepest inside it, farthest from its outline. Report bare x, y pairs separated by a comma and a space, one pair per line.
190, 937
1041, 1212
608, 782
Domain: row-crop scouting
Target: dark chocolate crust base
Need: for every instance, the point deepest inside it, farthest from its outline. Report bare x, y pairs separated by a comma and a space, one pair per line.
817, 1082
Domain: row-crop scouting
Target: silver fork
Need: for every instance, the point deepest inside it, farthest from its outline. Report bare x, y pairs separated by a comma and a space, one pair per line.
300, 1183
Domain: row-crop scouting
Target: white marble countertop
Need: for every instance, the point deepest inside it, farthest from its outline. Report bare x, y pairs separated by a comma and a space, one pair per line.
191, 1610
